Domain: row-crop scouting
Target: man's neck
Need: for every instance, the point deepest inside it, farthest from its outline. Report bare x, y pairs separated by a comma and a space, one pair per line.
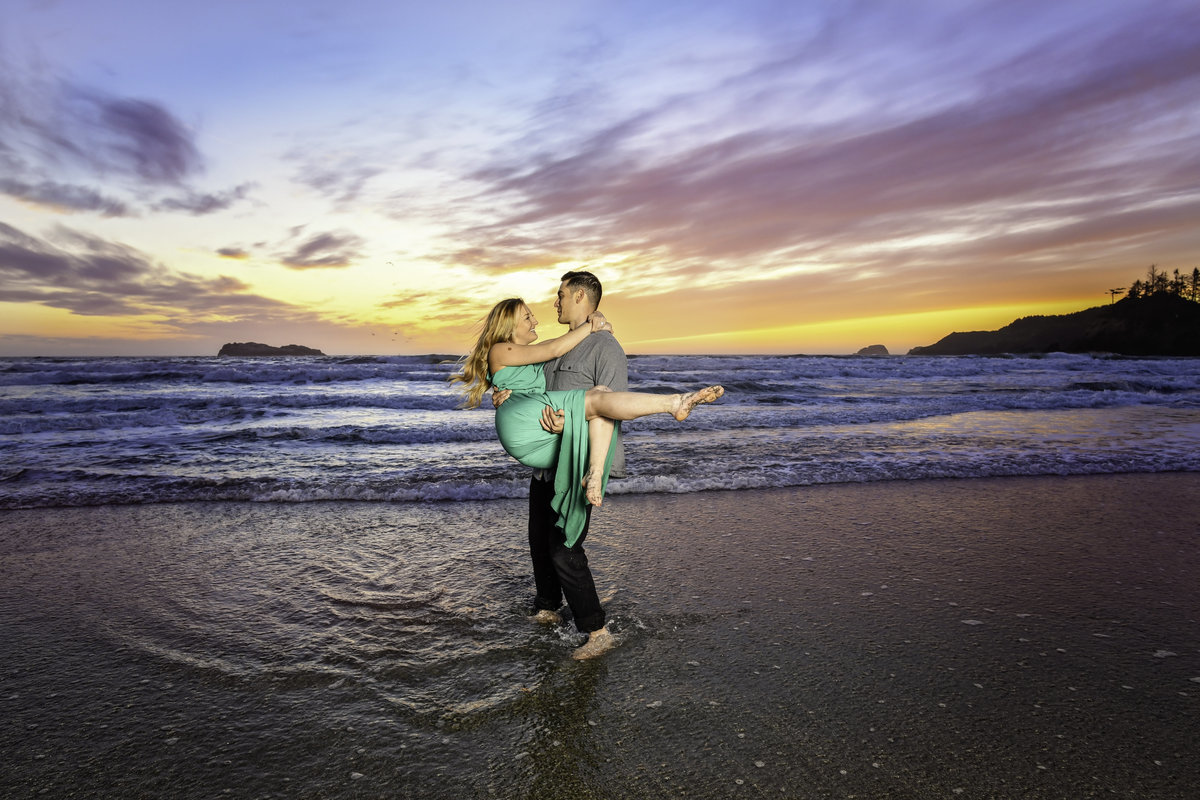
574, 325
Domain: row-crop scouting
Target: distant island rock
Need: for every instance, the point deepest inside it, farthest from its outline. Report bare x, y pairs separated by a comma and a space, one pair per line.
259, 349
1161, 324
873, 350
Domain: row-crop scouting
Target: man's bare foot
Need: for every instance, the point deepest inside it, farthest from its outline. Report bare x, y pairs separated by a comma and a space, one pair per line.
686, 402
547, 617
593, 488
598, 643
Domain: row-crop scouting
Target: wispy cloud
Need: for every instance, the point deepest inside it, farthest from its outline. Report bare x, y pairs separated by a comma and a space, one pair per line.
61, 121
1067, 140
58, 135
64, 197
324, 251
200, 203
434, 309
90, 276
342, 182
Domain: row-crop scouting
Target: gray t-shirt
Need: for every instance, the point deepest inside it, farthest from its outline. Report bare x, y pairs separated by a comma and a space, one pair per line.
598, 360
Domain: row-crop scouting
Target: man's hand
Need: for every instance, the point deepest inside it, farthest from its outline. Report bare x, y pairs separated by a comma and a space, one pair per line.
553, 421
499, 396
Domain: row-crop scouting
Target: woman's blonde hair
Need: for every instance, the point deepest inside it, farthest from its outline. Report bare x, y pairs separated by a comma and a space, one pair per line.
498, 327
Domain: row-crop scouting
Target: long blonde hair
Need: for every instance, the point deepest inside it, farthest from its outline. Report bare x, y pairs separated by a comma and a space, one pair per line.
499, 325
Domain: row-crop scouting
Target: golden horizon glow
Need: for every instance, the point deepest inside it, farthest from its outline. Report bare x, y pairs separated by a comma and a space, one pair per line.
850, 335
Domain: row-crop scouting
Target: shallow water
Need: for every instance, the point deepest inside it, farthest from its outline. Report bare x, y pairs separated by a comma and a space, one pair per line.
1001, 638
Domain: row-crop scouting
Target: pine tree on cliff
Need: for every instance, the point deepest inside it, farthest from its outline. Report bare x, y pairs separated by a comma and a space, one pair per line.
1156, 281
1177, 284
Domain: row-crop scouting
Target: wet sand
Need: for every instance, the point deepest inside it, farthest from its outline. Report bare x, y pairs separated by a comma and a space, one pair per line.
1023, 637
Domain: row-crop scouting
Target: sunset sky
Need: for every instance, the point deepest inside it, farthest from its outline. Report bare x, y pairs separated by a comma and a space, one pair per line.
370, 176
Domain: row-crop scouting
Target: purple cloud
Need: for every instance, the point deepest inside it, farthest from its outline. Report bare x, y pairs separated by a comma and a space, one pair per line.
198, 203
324, 251
64, 197
91, 276
129, 136
342, 184
1080, 121
60, 121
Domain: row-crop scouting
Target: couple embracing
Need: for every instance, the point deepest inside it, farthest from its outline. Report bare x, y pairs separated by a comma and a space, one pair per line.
558, 403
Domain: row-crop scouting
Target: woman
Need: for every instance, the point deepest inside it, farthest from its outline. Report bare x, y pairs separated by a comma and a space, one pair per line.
506, 357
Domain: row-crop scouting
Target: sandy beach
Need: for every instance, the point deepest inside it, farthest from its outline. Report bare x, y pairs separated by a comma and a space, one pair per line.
989, 638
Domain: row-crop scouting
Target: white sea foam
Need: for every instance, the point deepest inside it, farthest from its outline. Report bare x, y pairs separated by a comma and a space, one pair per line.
82, 431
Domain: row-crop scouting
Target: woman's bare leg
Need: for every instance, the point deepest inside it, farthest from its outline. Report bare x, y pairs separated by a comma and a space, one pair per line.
602, 405
601, 402
600, 433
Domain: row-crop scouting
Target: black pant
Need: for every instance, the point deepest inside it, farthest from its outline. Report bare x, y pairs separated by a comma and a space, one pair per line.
559, 570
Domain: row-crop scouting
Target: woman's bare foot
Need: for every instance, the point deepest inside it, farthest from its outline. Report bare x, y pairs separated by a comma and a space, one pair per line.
593, 488
598, 643
686, 402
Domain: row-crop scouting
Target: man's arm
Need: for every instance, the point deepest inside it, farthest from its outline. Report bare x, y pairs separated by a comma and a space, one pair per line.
553, 420
608, 368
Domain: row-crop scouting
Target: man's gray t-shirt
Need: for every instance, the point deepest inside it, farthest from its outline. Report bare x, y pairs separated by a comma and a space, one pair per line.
598, 360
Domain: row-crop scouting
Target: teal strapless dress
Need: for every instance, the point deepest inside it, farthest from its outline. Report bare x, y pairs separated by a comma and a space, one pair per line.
518, 425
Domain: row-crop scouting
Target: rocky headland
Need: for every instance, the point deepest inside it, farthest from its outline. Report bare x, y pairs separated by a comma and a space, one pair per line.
259, 349
1160, 324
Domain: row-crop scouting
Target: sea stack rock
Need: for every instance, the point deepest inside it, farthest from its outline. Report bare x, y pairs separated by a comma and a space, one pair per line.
259, 349
874, 350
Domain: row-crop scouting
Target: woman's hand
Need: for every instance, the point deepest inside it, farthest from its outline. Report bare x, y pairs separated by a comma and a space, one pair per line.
599, 323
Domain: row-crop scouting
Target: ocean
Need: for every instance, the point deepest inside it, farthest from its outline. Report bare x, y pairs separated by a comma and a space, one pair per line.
79, 432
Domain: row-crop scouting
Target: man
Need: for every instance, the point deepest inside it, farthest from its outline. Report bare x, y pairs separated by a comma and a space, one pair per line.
560, 571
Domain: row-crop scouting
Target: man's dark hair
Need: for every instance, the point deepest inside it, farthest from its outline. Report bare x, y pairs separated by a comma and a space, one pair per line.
586, 281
